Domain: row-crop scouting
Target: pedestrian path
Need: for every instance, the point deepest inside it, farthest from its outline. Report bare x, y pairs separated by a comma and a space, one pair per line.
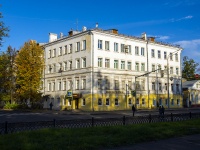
190, 142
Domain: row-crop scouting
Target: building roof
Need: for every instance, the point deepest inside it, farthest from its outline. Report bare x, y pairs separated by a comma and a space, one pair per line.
188, 84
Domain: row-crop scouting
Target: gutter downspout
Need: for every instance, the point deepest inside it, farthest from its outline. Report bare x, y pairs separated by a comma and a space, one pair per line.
92, 73
147, 71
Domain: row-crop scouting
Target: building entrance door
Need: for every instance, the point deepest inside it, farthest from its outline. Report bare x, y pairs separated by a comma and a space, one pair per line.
76, 103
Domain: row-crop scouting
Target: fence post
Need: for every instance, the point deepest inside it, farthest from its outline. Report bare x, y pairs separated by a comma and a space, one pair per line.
124, 120
92, 122
149, 118
190, 115
6, 127
54, 123
171, 117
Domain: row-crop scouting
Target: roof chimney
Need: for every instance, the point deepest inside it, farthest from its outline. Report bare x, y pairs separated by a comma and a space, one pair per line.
97, 25
144, 36
52, 37
61, 34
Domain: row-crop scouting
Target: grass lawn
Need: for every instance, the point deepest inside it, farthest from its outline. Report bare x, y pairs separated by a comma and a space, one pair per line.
97, 137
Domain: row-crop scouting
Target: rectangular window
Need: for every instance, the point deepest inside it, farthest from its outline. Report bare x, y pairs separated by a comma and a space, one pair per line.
107, 83
59, 85
115, 64
54, 67
70, 48
65, 66
64, 85
172, 87
171, 56
60, 67
137, 66
142, 67
177, 71
60, 51
143, 101
165, 55
116, 102
107, 101
100, 62
83, 102
129, 49
77, 63
49, 69
84, 45
83, 62
65, 51
176, 56
107, 63
166, 86
153, 86
166, 102
49, 86
142, 51
129, 65
159, 54
99, 44
70, 65
129, 101
116, 47
53, 86
122, 64
142, 87
77, 84
160, 87
122, 48
107, 47
78, 47
172, 101
137, 101
54, 53
99, 101
116, 85
49, 53
136, 50
152, 53
83, 83
178, 101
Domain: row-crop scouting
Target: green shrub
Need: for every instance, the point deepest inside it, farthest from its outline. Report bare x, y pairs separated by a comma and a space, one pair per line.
10, 106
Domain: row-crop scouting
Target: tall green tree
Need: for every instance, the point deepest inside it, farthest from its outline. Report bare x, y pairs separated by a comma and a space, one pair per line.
3, 30
189, 68
30, 65
7, 75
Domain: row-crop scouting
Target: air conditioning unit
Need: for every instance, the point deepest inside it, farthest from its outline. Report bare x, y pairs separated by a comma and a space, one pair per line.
126, 50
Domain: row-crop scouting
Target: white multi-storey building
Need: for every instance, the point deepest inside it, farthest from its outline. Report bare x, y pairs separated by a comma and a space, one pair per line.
102, 68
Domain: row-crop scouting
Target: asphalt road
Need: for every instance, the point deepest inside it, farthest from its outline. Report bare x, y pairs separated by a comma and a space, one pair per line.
47, 115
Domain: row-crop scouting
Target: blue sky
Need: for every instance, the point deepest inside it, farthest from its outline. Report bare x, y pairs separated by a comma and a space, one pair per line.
171, 21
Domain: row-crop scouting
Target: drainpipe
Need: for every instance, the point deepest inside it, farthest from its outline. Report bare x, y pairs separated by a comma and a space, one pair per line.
92, 84
147, 71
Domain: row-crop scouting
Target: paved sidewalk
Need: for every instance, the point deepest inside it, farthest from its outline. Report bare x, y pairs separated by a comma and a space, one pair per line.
191, 142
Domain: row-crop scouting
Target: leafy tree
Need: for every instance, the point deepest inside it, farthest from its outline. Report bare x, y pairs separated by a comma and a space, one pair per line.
7, 74
189, 67
30, 66
3, 30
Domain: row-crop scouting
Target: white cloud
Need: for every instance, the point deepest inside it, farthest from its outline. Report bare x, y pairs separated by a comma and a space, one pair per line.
180, 19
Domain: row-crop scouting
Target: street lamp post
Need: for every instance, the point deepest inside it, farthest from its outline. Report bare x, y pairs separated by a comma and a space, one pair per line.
171, 54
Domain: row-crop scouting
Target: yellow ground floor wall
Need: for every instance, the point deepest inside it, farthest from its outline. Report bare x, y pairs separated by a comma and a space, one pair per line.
124, 102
